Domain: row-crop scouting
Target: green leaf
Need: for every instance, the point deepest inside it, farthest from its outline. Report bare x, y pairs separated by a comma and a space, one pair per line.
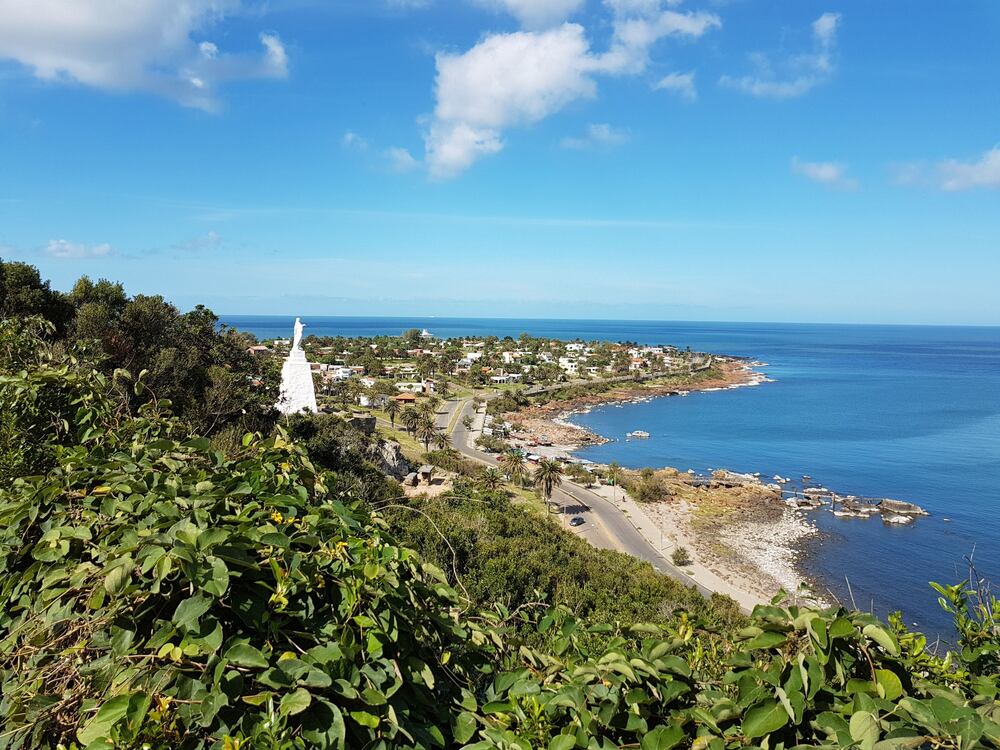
295, 702
841, 628
245, 655
100, 727
118, 577
465, 727
883, 638
188, 611
767, 639
213, 577
323, 726
662, 738
258, 699
365, 719
764, 718
864, 728
889, 684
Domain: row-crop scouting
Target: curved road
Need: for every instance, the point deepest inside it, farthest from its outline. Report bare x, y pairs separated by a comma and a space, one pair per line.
607, 526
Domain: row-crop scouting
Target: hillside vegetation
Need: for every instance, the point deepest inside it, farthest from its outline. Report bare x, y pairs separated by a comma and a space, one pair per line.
163, 589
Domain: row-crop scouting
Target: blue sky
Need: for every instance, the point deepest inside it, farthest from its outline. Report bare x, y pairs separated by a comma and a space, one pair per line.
718, 160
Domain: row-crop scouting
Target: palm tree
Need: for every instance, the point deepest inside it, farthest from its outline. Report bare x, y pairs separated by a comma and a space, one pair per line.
441, 440
491, 480
391, 410
514, 466
410, 418
426, 431
427, 409
548, 476
614, 476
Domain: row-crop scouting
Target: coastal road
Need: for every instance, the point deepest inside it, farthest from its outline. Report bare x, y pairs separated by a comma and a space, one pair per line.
606, 527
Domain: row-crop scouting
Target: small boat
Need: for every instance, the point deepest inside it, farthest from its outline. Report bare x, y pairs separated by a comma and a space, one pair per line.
638, 434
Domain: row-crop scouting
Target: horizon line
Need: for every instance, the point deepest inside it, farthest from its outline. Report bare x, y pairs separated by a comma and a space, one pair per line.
607, 320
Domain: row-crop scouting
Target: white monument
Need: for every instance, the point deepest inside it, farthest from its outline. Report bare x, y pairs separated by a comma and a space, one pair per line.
297, 391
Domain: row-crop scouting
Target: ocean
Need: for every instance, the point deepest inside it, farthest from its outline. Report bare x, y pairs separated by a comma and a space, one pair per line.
908, 412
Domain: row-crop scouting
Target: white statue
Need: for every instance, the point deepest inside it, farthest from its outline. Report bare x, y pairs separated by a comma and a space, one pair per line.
297, 391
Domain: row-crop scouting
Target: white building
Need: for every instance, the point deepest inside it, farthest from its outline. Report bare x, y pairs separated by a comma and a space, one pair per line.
569, 366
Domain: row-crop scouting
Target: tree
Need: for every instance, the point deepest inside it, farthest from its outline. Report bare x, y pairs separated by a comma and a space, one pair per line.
410, 417
441, 440
23, 293
392, 409
491, 480
681, 557
426, 431
548, 476
467, 422
514, 466
614, 476
443, 387
411, 337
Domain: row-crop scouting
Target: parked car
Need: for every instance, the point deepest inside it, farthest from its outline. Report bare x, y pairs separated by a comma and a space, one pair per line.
577, 521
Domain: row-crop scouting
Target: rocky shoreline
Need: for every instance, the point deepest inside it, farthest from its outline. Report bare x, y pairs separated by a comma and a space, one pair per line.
548, 424
744, 539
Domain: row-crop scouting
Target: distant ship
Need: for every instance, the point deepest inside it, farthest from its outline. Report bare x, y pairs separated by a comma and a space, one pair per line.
638, 434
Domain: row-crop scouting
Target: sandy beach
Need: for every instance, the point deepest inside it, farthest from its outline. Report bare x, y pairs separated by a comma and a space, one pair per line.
731, 553
743, 540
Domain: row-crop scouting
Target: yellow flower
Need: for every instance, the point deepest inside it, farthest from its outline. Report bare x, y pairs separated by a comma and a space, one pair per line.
277, 517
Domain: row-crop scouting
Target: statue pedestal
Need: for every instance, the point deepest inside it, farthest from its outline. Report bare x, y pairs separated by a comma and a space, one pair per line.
297, 391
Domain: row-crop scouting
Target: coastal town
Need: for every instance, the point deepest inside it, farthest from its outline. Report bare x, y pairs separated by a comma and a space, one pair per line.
474, 406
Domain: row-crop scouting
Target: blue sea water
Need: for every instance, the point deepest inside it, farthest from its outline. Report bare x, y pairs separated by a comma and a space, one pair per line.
909, 412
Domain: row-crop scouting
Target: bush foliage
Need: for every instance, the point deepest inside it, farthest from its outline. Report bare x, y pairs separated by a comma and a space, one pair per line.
157, 591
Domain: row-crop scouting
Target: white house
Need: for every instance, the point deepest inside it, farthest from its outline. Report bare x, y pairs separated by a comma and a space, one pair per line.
569, 366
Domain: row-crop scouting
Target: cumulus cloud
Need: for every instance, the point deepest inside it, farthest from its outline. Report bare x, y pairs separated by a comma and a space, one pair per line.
681, 84
536, 14
76, 251
400, 159
520, 78
639, 24
598, 135
953, 175
826, 173
794, 75
141, 45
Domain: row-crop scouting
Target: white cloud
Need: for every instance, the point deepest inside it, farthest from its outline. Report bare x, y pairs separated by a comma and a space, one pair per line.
598, 135
72, 250
639, 24
681, 84
794, 75
400, 159
953, 175
520, 78
536, 14
146, 45
505, 80
351, 139
826, 173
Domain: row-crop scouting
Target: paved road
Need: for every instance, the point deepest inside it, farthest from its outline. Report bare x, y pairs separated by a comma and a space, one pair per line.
606, 526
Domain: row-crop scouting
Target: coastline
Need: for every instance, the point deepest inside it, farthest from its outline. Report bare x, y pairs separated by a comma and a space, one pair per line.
744, 541
549, 422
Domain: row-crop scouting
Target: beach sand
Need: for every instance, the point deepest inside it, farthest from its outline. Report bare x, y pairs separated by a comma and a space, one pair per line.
750, 562
744, 542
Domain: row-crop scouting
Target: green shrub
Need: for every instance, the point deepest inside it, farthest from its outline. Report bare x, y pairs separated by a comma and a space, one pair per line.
156, 592
681, 557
